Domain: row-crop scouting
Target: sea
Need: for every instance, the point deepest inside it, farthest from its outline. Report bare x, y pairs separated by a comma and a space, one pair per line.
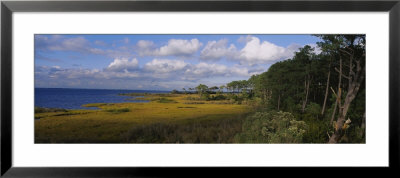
68, 98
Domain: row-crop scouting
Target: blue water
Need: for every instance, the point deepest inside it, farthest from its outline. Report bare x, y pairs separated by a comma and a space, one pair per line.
75, 98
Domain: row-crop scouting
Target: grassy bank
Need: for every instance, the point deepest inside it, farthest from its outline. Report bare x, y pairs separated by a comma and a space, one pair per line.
180, 119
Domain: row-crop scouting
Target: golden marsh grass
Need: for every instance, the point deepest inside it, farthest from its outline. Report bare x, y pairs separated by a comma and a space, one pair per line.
112, 122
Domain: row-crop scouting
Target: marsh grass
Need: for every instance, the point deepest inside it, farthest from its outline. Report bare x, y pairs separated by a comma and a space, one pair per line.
222, 130
194, 102
164, 100
45, 110
117, 110
186, 107
98, 105
111, 123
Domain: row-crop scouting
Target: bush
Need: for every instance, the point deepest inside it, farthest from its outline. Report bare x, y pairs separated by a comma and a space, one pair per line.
205, 96
192, 98
217, 97
194, 102
164, 100
176, 92
272, 127
43, 110
208, 131
118, 110
313, 110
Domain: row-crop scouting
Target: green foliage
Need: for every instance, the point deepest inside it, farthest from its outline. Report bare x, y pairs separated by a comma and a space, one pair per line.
117, 110
290, 104
316, 130
164, 100
313, 110
298, 85
272, 127
217, 97
201, 89
44, 110
220, 130
176, 92
205, 96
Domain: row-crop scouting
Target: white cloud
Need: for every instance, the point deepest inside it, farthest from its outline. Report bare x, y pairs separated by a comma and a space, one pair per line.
123, 64
178, 47
125, 74
256, 52
118, 53
156, 74
217, 49
240, 71
70, 44
204, 70
145, 48
67, 74
144, 44
164, 65
96, 51
244, 39
60, 43
174, 47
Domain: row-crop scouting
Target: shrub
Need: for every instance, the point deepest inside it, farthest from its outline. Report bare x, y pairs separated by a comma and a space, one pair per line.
272, 127
217, 97
118, 110
43, 110
194, 102
205, 96
313, 110
176, 92
164, 100
207, 131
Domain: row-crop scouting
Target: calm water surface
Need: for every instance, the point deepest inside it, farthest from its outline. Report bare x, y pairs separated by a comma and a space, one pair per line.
75, 98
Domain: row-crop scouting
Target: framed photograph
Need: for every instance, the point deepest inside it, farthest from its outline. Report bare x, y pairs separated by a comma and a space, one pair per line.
136, 88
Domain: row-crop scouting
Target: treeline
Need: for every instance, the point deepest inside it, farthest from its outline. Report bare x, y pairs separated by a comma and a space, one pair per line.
326, 88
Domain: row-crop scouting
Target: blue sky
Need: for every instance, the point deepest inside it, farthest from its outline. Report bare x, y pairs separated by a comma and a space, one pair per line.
157, 62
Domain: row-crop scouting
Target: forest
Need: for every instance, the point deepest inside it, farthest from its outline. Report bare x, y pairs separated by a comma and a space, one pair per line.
315, 98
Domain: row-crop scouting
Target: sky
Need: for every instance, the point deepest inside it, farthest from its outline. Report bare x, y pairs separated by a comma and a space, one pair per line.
158, 62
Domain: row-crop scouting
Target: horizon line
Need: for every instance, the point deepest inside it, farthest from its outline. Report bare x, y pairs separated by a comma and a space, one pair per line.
98, 89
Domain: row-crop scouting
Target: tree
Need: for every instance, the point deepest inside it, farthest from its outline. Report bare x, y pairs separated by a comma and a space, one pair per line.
214, 88
201, 89
221, 89
352, 49
191, 89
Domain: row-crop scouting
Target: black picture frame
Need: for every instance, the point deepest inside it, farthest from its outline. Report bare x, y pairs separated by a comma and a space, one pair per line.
8, 7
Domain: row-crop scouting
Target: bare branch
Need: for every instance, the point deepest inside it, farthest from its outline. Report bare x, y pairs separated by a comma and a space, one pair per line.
333, 91
337, 70
346, 52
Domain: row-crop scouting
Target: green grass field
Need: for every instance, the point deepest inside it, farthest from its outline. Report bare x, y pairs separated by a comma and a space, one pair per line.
167, 118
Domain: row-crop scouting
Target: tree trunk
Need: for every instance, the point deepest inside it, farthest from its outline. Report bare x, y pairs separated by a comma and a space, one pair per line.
339, 86
307, 88
326, 89
342, 116
356, 79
